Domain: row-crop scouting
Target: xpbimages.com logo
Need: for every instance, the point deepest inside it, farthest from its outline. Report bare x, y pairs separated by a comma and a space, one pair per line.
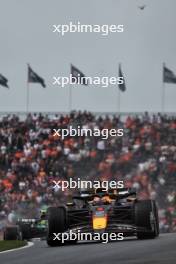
78, 236
87, 132
86, 184
104, 30
103, 81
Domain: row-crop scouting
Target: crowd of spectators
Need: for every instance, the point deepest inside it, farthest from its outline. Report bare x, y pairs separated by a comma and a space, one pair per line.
31, 158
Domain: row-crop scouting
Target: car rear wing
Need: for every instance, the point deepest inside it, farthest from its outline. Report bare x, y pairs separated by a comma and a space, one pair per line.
120, 193
27, 220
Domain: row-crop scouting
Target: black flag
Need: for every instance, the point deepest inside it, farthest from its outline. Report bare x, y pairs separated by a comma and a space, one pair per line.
3, 81
122, 86
168, 76
78, 75
34, 77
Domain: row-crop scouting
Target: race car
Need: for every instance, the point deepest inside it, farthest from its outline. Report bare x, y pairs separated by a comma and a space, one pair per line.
117, 211
27, 228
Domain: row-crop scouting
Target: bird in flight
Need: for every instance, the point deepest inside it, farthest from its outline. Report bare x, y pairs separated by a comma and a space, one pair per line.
142, 7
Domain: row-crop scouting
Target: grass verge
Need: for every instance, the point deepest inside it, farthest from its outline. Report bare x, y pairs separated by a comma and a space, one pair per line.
10, 244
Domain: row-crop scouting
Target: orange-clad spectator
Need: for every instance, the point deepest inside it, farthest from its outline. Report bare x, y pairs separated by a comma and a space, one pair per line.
93, 153
7, 184
19, 154
42, 173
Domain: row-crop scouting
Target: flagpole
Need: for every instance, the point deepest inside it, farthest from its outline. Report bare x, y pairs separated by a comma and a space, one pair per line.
70, 93
119, 102
163, 93
27, 98
27, 92
70, 98
119, 97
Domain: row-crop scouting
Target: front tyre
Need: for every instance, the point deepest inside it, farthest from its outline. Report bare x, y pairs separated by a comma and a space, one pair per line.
57, 223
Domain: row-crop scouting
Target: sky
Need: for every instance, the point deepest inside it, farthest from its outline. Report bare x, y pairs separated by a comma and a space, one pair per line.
148, 40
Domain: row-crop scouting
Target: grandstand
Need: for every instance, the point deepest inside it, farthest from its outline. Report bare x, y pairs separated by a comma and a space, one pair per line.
31, 158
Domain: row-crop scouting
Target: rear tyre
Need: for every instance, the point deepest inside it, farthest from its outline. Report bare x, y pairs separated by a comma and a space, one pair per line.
11, 233
57, 223
146, 216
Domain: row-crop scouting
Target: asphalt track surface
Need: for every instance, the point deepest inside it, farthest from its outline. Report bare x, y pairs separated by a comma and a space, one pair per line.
161, 250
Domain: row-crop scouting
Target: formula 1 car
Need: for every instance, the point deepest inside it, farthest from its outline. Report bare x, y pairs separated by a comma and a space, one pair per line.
27, 228
105, 211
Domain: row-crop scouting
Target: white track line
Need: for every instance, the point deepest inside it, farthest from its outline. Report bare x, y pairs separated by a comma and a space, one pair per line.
29, 244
